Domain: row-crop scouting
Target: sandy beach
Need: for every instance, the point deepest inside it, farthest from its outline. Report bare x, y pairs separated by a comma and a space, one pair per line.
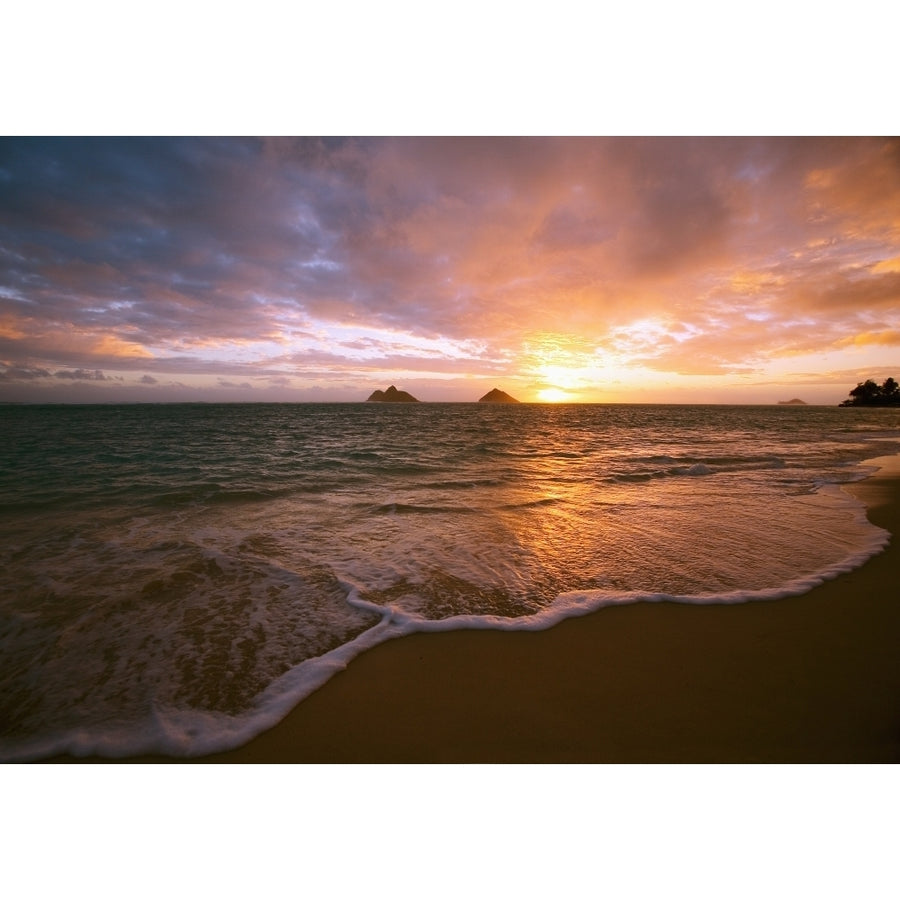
811, 679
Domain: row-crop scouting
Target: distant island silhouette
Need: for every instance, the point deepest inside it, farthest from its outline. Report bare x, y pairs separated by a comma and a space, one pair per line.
868, 393
392, 395
497, 396
795, 402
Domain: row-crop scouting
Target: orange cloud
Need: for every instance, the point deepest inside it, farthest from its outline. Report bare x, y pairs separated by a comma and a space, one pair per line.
887, 266
564, 259
886, 338
61, 343
9, 328
110, 346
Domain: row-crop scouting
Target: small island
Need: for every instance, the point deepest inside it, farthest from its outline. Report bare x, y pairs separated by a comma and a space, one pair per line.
497, 396
391, 395
868, 393
795, 402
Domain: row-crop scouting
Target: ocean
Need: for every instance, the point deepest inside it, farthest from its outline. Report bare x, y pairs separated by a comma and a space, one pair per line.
175, 578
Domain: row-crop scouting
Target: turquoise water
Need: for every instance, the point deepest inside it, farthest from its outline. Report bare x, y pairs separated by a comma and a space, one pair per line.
174, 578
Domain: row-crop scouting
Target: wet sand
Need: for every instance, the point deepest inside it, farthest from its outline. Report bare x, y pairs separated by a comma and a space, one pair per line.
811, 679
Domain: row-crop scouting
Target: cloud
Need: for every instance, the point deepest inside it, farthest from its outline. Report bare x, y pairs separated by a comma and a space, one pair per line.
883, 338
215, 257
85, 375
13, 372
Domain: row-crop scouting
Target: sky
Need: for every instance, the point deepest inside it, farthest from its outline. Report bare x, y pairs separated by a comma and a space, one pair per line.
657, 270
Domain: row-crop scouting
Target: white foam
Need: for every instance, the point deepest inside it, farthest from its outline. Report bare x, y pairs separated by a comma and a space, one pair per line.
190, 733
182, 732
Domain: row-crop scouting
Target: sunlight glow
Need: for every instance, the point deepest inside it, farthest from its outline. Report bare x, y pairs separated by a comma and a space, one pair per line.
569, 368
561, 270
553, 395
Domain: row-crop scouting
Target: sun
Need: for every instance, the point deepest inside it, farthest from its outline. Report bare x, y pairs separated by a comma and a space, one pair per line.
553, 395
565, 364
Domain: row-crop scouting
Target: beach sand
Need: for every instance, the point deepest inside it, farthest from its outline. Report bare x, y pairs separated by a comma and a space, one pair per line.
811, 679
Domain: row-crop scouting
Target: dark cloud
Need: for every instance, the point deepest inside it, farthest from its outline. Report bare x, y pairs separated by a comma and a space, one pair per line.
211, 257
82, 375
12, 372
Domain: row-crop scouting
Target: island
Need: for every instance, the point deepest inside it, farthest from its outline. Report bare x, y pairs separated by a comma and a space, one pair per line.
392, 395
794, 402
497, 396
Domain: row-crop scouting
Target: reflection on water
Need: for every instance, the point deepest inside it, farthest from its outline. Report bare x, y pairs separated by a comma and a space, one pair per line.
160, 559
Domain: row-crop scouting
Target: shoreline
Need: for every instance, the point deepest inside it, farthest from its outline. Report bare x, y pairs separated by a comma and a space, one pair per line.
813, 678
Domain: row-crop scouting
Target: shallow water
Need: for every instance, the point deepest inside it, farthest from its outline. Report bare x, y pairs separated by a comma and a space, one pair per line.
173, 578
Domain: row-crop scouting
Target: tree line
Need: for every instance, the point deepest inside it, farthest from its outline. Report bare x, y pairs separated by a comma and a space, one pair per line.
868, 393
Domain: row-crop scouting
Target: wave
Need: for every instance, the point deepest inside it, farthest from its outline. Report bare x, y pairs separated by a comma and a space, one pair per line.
218, 595
532, 504
462, 484
407, 509
680, 468
181, 732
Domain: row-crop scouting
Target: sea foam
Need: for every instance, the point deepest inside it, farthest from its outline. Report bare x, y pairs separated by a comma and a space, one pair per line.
181, 600
168, 730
